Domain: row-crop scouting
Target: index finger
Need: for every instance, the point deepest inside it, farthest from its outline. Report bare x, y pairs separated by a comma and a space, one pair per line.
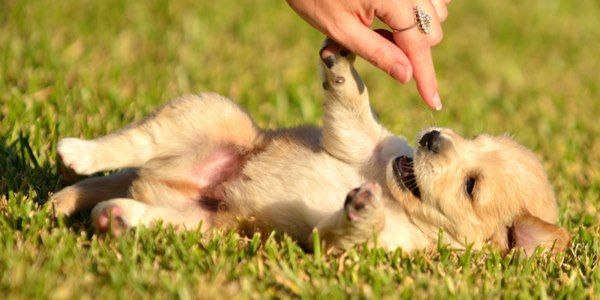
417, 45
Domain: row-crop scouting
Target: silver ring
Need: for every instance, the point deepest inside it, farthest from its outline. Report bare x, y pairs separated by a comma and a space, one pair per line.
422, 21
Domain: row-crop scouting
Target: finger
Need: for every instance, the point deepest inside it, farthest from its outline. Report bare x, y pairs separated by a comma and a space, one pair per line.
435, 34
375, 48
440, 9
401, 16
417, 47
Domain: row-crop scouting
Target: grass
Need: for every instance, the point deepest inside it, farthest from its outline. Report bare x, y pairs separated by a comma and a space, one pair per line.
85, 68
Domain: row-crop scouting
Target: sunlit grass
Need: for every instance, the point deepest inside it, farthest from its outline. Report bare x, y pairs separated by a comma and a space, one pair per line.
85, 68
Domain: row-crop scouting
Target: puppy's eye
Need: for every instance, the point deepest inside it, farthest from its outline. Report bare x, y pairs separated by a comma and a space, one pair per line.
469, 186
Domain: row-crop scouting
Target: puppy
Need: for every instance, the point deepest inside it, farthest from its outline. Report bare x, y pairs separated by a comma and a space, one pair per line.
201, 160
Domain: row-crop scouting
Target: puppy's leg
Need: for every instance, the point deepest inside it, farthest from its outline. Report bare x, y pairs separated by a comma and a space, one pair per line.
119, 215
174, 181
361, 218
205, 120
87, 193
350, 132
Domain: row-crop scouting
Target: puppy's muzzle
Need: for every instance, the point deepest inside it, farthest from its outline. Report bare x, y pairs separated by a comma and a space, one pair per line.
431, 141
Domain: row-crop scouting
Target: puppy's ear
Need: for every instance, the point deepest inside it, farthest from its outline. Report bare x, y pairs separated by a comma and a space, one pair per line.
528, 232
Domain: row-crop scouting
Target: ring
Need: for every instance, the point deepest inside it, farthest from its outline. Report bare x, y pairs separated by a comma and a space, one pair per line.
422, 21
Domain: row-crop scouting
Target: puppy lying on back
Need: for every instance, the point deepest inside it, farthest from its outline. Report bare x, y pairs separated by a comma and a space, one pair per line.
201, 159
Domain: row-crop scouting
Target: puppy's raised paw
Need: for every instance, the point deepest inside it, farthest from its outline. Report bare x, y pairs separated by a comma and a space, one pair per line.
363, 202
338, 72
76, 154
332, 53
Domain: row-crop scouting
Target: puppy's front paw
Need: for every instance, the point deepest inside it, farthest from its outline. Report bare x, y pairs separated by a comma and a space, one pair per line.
333, 53
363, 202
338, 72
77, 155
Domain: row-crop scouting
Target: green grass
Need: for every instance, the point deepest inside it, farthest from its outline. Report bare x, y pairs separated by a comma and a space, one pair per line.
85, 68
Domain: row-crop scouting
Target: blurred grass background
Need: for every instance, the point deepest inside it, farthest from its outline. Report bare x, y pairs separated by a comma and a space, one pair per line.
85, 68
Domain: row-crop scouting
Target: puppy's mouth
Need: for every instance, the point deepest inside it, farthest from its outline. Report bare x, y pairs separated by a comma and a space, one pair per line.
405, 174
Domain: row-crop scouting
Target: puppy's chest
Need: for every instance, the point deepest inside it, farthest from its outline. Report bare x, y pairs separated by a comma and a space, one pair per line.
400, 231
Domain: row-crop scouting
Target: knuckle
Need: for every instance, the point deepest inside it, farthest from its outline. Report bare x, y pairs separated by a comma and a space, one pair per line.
435, 37
442, 14
440, 8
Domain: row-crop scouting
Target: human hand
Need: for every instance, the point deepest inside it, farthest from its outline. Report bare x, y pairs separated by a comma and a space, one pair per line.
401, 52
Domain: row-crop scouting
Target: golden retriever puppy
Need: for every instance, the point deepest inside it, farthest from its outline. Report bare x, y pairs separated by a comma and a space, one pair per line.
201, 160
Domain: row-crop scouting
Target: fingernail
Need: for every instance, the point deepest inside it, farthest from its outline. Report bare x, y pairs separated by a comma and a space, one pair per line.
400, 73
436, 101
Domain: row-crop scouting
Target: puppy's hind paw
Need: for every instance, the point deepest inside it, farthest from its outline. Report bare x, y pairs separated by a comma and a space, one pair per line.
64, 202
77, 155
363, 202
111, 220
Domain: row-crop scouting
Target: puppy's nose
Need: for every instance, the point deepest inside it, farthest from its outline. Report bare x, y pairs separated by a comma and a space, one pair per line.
431, 141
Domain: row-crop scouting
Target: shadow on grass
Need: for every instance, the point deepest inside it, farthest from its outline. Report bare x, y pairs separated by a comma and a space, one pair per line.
21, 171
23, 176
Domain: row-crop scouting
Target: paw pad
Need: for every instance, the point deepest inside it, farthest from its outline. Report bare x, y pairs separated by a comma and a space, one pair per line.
360, 201
112, 221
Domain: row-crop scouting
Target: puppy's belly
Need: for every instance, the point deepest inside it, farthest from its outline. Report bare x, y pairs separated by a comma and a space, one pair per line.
292, 191
217, 167
177, 181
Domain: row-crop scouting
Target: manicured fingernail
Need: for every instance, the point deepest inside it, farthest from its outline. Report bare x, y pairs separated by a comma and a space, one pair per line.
436, 101
400, 73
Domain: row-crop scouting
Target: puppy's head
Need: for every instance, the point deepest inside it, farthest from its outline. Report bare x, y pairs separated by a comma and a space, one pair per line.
486, 189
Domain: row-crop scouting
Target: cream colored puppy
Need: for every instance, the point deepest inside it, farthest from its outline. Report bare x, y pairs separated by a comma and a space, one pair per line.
201, 159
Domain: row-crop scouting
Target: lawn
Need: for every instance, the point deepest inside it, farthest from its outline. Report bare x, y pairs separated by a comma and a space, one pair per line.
85, 68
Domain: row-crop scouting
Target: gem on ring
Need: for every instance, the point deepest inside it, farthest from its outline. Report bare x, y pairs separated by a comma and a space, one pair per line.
422, 21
